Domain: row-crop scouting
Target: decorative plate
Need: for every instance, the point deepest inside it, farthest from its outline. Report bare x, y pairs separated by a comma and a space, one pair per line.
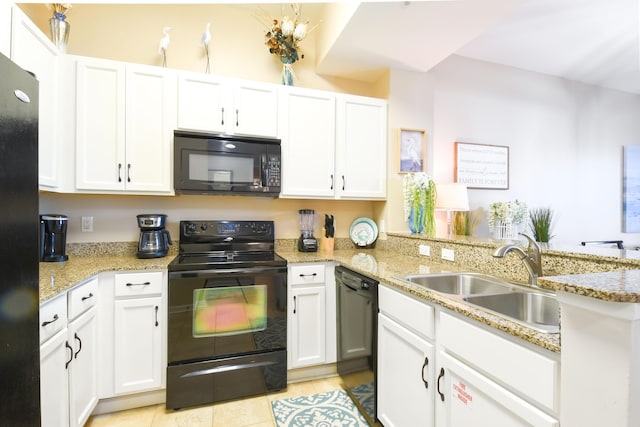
363, 232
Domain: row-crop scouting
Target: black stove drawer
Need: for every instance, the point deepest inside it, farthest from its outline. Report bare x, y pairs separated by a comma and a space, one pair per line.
218, 380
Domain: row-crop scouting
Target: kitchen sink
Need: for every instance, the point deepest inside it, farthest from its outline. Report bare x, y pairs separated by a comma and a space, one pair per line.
536, 310
461, 283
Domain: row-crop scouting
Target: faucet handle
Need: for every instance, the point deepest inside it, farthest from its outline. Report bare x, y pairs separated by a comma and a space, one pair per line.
532, 242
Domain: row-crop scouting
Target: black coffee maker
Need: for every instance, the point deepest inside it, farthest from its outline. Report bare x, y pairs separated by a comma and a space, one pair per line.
154, 239
53, 238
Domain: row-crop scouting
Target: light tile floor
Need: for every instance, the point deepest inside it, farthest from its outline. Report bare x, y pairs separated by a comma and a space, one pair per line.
249, 412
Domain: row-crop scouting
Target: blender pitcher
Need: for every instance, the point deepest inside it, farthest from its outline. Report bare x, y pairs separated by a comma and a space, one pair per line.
308, 221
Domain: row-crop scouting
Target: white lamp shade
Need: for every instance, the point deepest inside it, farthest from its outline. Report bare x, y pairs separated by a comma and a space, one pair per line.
452, 197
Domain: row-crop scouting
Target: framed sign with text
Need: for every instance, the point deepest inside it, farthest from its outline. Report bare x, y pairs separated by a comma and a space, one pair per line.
482, 165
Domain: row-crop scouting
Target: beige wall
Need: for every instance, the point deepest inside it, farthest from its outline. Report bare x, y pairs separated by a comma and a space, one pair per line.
132, 33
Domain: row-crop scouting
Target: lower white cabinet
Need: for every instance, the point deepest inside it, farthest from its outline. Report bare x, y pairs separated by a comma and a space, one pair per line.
138, 340
467, 398
405, 376
436, 367
406, 361
68, 359
133, 332
311, 315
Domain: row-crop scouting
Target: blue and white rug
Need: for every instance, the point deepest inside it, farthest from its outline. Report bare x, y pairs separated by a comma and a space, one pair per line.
331, 409
363, 393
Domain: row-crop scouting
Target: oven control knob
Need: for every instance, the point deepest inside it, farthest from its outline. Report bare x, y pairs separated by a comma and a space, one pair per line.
364, 285
203, 227
191, 228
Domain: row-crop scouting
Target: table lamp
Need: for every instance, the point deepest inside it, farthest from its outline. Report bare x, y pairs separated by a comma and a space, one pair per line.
451, 197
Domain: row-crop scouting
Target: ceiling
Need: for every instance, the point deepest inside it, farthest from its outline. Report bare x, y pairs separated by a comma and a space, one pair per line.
591, 41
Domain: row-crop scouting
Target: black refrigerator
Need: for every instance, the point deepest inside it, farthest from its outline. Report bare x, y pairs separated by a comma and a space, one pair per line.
19, 257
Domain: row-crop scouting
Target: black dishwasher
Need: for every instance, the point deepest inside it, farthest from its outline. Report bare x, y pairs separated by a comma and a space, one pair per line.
357, 337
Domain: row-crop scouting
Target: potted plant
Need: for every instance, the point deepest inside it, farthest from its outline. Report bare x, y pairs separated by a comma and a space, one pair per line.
419, 202
505, 218
466, 222
540, 224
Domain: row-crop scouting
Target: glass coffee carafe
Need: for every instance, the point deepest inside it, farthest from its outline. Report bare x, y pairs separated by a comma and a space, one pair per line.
308, 221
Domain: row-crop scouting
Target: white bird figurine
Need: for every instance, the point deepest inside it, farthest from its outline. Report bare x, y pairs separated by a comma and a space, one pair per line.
206, 38
164, 44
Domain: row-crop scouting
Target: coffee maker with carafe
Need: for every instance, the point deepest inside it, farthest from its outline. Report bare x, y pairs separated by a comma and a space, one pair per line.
308, 221
154, 239
53, 238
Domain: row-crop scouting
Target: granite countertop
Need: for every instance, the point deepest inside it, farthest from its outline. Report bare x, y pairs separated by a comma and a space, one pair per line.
384, 265
58, 277
614, 286
388, 266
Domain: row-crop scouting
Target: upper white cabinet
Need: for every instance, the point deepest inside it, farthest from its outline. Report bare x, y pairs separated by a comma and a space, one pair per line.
361, 147
307, 131
5, 28
125, 116
34, 52
333, 146
222, 105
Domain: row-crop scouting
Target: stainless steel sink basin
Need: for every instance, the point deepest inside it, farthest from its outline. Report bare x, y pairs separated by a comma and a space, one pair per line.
536, 310
461, 283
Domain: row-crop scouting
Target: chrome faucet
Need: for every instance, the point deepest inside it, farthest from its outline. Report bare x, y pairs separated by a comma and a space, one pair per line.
532, 257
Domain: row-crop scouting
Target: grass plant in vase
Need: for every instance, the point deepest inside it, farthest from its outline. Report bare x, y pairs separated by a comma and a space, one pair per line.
540, 224
419, 192
466, 222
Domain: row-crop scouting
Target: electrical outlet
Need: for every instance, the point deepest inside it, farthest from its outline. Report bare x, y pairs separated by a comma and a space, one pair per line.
87, 224
447, 254
424, 250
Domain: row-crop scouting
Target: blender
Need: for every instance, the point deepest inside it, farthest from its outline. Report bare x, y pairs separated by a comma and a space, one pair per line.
308, 221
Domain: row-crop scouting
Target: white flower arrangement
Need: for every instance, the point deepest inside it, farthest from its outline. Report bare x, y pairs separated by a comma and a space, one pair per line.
513, 211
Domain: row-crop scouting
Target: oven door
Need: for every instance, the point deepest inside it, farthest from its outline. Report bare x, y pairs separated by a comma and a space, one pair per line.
226, 165
218, 313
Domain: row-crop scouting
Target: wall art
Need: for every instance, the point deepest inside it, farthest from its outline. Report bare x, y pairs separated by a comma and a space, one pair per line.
482, 165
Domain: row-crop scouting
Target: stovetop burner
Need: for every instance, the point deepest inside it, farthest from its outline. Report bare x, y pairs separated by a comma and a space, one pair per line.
226, 245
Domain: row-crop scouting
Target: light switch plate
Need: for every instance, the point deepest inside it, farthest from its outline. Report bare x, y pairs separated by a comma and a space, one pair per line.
447, 254
424, 250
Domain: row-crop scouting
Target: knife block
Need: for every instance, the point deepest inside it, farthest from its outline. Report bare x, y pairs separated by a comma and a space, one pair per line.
326, 243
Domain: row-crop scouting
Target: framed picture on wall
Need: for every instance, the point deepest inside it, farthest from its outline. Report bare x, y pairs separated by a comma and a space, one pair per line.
413, 150
482, 165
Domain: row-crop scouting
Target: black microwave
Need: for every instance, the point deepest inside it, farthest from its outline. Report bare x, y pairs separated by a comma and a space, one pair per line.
226, 164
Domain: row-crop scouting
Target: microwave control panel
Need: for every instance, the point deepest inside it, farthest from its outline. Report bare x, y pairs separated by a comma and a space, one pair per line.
272, 171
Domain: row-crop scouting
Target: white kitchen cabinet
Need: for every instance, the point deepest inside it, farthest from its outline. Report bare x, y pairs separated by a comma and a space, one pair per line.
125, 116
224, 105
406, 361
34, 52
83, 377
311, 315
55, 355
361, 148
133, 332
307, 130
333, 145
68, 356
5, 28
468, 398
306, 319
